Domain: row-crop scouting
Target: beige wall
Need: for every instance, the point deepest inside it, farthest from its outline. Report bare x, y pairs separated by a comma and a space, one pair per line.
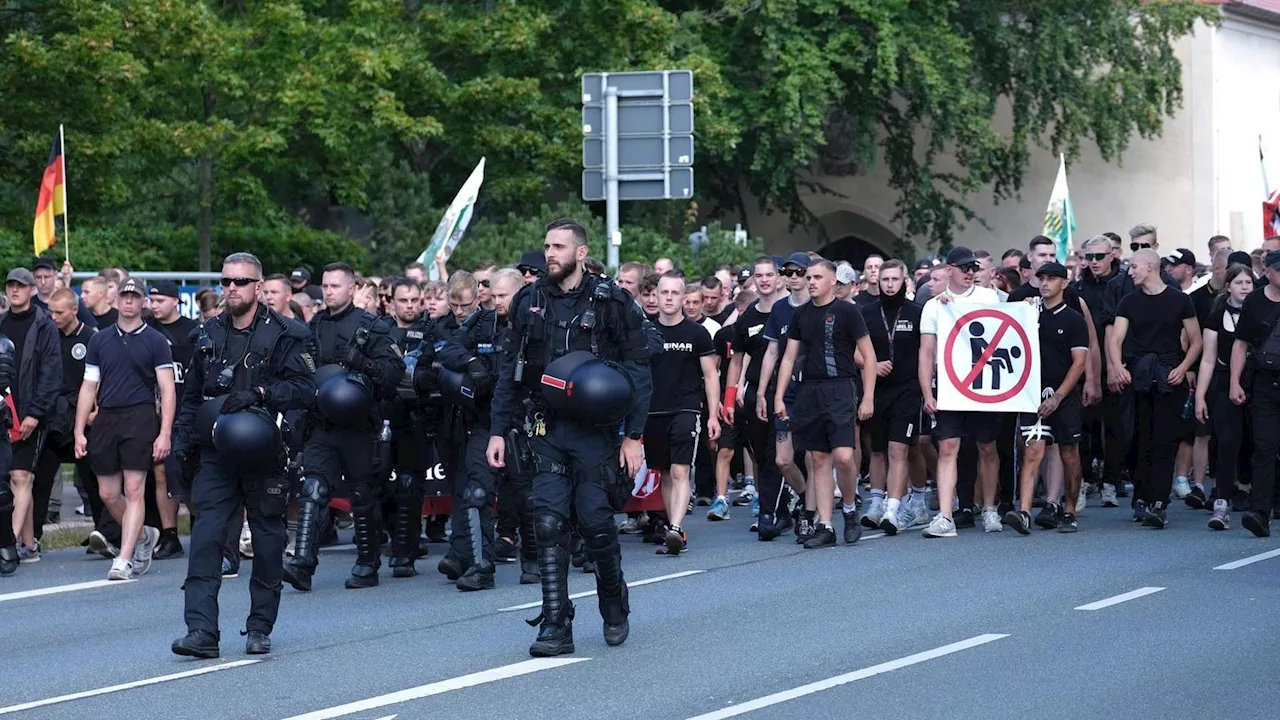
1174, 181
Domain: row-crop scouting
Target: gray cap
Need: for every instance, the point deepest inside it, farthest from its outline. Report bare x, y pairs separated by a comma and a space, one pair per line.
20, 275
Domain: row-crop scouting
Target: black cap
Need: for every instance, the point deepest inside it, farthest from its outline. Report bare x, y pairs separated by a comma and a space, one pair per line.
133, 285
798, 258
533, 259
44, 262
315, 293
960, 255
1239, 257
167, 288
923, 264
1053, 269
1273, 260
1181, 256
743, 275
778, 260
300, 275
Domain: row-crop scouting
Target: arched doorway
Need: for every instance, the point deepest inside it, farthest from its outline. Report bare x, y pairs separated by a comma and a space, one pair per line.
851, 249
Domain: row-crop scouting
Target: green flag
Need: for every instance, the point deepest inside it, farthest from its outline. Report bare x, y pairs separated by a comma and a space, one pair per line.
1060, 217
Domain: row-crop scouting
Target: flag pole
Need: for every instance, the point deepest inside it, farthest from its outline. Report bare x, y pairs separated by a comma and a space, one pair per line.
66, 226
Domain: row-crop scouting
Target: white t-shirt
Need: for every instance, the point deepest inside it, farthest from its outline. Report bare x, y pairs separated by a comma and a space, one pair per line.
975, 294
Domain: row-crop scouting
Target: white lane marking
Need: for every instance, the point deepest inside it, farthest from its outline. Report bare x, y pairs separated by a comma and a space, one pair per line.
389, 717
589, 593
126, 686
338, 548
872, 536
62, 589
838, 680
1123, 597
436, 688
1249, 560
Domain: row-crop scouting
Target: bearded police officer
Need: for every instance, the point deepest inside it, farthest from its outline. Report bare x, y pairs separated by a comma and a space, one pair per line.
249, 366
570, 330
359, 368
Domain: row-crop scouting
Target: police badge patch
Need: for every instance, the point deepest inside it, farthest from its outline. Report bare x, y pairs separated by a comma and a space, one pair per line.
311, 363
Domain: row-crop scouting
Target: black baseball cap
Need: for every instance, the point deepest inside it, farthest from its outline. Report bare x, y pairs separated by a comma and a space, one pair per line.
1273, 260
1239, 257
315, 293
960, 255
167, 288
300, 275
743, 275
798, 258
133, 285
1181, 256
44, 262
1053, 269
534, 260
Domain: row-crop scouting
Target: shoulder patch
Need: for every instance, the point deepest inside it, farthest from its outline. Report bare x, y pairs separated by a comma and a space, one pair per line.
309, 361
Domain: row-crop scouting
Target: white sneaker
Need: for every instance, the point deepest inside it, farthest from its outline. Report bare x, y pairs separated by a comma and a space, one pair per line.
1081, 501
918, 512
890, 522
121, 569
142, 551
246, 542
1181, 487
991, 521
1109, 495
871, 518
941, 527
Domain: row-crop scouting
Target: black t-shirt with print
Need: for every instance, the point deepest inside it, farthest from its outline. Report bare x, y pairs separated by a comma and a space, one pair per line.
829, 335
748, 337
896, 337
677, 370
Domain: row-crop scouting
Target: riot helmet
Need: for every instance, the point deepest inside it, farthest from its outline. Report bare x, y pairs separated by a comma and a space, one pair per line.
248, 438
587, 389
342, 397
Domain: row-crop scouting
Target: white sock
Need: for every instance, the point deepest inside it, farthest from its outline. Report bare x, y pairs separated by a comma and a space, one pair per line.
877, 494
849, 508
892, 507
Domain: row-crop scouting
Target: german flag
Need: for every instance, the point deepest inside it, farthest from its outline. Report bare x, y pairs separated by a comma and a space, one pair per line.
51, 207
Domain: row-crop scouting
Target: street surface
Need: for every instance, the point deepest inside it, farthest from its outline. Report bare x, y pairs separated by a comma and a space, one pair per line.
1114, 621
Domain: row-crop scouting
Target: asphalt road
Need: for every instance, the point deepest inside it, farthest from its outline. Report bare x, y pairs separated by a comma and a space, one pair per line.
984, 625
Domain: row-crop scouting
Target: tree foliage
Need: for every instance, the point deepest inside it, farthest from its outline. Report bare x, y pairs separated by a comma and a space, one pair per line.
364, 117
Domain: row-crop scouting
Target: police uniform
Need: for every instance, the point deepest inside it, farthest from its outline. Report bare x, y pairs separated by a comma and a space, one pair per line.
468, 363
343, 443
8, 373
411, 433
576, 460
267, 370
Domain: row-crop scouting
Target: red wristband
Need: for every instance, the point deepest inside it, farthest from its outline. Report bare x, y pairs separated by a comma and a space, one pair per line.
730, 396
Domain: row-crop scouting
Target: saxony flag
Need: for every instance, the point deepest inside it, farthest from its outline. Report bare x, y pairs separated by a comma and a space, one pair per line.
1060, 217
51, 207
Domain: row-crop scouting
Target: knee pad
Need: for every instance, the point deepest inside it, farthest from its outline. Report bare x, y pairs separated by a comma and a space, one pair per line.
601, 538
407, 485
362, 496
548, 529
315, 490
475, 496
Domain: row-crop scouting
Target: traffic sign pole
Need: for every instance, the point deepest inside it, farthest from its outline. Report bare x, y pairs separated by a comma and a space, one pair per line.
613, 236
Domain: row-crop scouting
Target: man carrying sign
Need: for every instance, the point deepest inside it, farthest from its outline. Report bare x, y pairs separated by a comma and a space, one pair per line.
1064, 351
951, 426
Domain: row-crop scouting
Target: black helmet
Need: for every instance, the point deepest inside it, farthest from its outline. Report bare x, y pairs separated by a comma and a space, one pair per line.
342, 396
455, 388
206, 418
247, 438
587, 389
426, 382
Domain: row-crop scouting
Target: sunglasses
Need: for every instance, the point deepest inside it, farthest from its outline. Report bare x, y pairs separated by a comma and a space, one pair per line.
484, 283
387, 298
238, 282
526, 270
791, 273
1096, 257
968, 267
1135, 247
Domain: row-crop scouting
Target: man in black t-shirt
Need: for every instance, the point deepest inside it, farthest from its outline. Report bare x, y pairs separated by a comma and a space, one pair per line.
894, 326
686, 372
870, 274
715, 300
1147, 361
165, 301
1064, 350
827, 407
96, 292
1256, 334
730, 441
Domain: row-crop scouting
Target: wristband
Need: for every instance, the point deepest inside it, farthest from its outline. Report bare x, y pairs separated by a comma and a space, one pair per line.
730, 396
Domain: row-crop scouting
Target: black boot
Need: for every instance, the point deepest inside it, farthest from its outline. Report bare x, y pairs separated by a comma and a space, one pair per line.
611, 589
365, 572
479, 576
528, 549
555, 636
451, 566
196, 644
405, 525
528, 572
299, 568
8, 560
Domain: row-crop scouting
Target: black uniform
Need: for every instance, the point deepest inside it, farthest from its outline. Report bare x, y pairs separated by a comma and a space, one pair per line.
268, 363
577, 464
412, 435
475, 351
8, 548
361, 344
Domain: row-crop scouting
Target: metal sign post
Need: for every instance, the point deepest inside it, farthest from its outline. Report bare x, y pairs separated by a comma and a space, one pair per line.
637, 142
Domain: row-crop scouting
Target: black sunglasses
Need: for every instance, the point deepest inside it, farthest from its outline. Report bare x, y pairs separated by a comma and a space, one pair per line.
526, 270
238, 282
791, 273
1095, 257
968, 267
484, 283
1135, 247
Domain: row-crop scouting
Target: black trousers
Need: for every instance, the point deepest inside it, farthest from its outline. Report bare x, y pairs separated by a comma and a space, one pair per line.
6, 505
1265, 409
1157, 421
338, 454
1232, 429
217, 493
577, 493
761, 440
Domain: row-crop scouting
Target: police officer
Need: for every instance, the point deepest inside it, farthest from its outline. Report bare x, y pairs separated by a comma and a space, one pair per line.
570, 329
8, 546
249, 366
409, 428
359, 368
467, 363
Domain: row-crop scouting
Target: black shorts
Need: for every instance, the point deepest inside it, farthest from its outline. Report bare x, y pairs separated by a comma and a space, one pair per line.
825, 416
24, 451
981, 427
671, 440
121, 439
782, 428
1063, 427
897, 417
733, 436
